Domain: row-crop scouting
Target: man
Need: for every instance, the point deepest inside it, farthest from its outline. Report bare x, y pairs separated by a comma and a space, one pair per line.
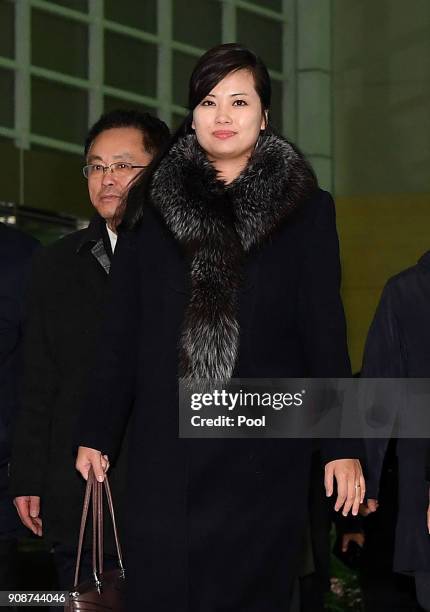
398, 346
16, 250
65, 309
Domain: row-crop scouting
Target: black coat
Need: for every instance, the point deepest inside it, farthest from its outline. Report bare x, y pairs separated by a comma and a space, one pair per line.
16, 250
398, 346
65, 306
217, 524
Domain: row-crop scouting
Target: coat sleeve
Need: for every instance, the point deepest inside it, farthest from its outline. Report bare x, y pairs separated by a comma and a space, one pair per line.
322, 318
383, 358
30, 448
10, 340
111, 391
15, 256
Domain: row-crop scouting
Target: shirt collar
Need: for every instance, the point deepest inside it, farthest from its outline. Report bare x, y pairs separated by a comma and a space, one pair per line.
112, 238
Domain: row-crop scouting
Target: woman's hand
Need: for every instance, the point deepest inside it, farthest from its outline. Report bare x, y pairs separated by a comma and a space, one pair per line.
89, 457
351, 487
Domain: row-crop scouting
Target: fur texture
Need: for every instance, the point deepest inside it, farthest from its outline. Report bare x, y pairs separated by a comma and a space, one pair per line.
217, 225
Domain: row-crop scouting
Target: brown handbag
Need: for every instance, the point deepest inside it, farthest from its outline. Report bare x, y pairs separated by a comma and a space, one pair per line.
106, 590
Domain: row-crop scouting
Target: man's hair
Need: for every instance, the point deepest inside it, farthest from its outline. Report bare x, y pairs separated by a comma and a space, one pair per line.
155, 133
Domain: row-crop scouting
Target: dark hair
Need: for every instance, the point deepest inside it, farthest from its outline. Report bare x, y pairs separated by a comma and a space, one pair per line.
154, 131
220, 61
210, 69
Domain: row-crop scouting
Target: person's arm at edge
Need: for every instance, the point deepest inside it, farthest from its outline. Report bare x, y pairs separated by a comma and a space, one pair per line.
382, 359
31, 429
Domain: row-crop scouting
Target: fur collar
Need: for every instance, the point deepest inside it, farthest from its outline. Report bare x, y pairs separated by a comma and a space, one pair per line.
216, 225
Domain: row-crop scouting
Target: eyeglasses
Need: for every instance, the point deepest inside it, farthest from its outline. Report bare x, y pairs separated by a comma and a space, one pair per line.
118, 168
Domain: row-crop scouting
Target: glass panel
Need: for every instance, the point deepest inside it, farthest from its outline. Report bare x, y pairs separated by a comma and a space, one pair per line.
54, 181
77, 5
133, 13
9, 184
176, 121
7, 31
58, 111
255, 32
274, 5
183, 65
112, 103
6, 99
130, 64
66, 47
276, 107
207, 15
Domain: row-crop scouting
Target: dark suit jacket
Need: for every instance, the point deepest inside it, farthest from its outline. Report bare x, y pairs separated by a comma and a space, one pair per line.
16, 249
65, 306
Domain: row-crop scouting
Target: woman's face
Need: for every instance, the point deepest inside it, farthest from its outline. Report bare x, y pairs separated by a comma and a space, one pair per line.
228, 120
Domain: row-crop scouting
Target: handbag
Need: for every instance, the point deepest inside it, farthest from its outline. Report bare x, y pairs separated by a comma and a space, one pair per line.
105, 591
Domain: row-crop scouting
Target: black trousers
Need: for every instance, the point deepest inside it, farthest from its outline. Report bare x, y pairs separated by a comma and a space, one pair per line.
8, 551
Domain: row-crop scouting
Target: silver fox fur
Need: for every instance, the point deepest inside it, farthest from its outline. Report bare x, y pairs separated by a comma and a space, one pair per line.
217, 225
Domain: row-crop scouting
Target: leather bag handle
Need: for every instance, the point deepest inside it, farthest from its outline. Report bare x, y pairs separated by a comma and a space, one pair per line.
96, 529
94, 493
112, 514
99, 507
85, 508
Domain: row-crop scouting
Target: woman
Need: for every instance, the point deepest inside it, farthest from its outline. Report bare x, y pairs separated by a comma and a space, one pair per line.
232, 269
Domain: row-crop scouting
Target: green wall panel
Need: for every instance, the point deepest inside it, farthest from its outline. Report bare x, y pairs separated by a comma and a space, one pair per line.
130, 64
7, 30
140, 14
7, 80
58, 111
197, 23
381, 93
65, 49
54, 181
9, 180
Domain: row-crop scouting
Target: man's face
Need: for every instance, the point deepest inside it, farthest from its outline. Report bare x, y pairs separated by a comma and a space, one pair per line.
115, 145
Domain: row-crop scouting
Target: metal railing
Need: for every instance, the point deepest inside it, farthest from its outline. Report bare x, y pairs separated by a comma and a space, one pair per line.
14, 214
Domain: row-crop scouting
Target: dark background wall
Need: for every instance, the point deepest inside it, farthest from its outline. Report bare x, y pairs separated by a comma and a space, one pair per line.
381, 97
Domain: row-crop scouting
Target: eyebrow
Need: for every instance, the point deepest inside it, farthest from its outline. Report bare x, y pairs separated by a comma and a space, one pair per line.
234, 94
124, 155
